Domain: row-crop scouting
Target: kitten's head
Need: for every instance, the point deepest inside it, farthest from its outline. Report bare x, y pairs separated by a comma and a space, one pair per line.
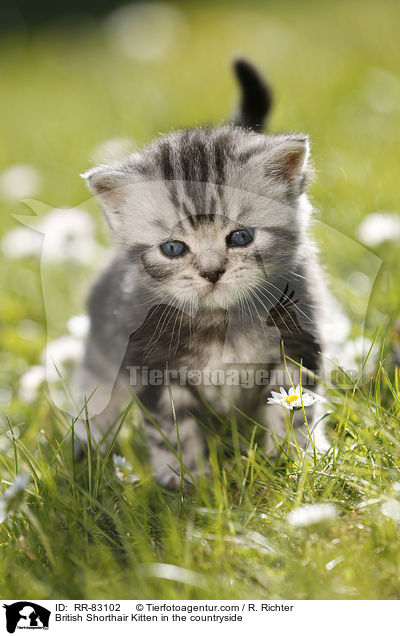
208, 215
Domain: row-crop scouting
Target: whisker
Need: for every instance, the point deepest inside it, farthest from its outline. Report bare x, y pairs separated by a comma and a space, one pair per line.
162, 315
295, 274
182, 311
261, 290
298, 308
166, 322
284, 295
173, 331
241, 311
269, 312
275, 325
258, 313
245, 298
167, 309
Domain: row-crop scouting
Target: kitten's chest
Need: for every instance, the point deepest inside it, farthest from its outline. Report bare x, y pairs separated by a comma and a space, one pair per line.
211, 341
235, 343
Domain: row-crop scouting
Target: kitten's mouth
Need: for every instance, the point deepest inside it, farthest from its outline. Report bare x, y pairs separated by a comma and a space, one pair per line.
212, 289
216, 296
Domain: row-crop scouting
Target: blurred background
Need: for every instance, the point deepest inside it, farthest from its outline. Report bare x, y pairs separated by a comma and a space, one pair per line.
83, 82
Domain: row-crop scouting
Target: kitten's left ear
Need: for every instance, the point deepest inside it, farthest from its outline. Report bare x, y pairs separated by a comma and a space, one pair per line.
287, 160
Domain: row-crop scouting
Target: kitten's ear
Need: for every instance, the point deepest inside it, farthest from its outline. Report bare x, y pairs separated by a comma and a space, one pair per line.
110, 184
107, 183
288, 159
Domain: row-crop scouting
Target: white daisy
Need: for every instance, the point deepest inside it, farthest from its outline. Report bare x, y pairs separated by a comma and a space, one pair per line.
123, 469
10, 500
65, 234
30, 383
145, 31
292, 399
17, 487
391, 509
353, 353
309, 514
3, 511
21, 242
68, 236
61, 356
112, 149
78, 326
6, 394
379, 227
19, 181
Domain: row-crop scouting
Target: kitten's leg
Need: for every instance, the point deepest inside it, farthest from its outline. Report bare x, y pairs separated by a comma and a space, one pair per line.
302, 436
318, 429
306, 437
103, 394
102, 419
276, 424
165, 463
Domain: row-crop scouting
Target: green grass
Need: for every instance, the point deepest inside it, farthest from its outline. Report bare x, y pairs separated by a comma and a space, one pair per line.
78, 531
82, 533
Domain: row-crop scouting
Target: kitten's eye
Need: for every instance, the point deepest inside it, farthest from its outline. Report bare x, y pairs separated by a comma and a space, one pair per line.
174, 248
240, 238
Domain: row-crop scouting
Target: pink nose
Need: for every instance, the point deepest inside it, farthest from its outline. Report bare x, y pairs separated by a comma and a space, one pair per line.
213, 276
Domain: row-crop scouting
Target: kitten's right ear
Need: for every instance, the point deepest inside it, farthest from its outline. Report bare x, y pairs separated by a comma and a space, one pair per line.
108, 183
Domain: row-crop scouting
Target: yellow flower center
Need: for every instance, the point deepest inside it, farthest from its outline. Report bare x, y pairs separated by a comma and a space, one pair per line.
292, 398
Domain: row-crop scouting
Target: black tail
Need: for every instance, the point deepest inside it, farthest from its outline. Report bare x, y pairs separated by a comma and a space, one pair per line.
256, 96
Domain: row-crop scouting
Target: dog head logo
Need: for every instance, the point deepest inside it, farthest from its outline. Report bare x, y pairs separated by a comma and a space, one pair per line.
26, 615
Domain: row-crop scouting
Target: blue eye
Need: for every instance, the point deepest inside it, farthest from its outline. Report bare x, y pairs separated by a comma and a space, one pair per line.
240, 238
174, 248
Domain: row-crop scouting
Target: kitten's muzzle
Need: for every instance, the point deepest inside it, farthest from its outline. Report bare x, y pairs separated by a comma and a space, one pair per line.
213, 276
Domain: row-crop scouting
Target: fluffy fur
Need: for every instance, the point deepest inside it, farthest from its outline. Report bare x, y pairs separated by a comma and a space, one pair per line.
218, 306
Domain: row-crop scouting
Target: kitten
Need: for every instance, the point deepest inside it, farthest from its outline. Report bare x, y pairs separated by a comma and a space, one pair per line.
212, 276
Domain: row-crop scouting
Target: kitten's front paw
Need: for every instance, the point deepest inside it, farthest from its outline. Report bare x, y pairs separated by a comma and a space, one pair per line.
167, 465
169, 479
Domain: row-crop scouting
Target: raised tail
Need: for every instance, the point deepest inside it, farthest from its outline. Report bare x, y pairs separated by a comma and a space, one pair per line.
256, 96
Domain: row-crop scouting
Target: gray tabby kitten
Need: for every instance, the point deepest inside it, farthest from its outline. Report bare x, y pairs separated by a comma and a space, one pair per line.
212, 276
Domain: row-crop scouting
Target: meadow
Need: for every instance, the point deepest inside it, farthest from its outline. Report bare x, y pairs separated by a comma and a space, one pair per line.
303, 527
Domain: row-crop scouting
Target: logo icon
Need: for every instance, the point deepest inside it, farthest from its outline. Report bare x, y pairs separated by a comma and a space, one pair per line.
26, 615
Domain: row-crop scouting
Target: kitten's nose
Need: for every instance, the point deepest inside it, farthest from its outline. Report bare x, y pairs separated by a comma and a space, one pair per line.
213, 276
